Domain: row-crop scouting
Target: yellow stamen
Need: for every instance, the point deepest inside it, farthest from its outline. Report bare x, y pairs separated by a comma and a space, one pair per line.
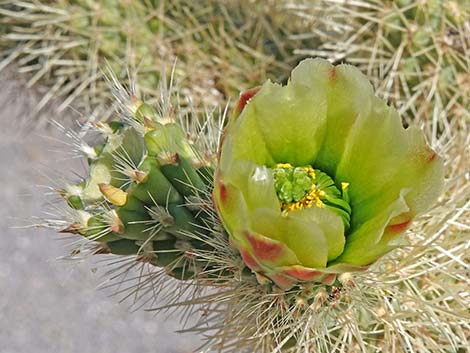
310, 199
310, 172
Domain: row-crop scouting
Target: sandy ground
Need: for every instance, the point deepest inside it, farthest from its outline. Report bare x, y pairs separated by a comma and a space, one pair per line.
47, 305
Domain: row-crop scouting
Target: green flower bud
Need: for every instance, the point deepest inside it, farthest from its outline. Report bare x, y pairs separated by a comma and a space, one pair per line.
319, 177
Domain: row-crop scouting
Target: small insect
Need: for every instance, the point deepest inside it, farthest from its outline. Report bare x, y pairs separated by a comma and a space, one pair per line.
335, 294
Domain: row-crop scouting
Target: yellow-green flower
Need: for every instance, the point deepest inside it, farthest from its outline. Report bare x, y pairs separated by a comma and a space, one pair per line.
319, 177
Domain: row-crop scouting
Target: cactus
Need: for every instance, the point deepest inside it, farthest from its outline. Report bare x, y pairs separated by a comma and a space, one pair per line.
146, 190
223, 47
147, 200
416, 53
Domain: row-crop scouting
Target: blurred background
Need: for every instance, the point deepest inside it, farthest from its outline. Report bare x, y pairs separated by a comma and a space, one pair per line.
49, 305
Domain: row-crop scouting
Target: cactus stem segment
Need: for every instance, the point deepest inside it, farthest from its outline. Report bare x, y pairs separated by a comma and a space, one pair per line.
139, 176
168, 158
161, 215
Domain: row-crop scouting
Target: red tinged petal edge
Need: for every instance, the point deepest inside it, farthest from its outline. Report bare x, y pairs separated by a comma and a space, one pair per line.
430, 155
250, 261
400, 227
303, 273
400, 223
244, 98
222, 193
332, 73
264, 248
329, 279
283, 282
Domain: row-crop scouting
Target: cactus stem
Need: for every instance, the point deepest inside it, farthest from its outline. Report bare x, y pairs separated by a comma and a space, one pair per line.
124, 164
139, 176
168, 158
161, 216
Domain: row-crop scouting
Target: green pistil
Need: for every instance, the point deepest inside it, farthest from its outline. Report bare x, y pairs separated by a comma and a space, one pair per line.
304, 187
291, 184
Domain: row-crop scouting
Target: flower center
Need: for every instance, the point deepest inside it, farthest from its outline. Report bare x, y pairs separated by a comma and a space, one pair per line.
304, 187
295, 187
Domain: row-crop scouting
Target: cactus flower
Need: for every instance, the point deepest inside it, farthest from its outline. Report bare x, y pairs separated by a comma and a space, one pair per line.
319, 177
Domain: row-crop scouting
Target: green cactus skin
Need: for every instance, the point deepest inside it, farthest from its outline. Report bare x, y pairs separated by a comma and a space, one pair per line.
138, 198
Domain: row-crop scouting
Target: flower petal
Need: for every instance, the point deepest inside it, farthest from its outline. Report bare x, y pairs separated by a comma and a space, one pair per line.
269, 252
293, 118
305, 238
367, 243
244, 140
348, 94
256, 184
231, 206
330, 223
382, 158
280, 124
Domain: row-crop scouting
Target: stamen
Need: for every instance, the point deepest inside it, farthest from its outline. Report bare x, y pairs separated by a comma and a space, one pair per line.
293, 182
304, 187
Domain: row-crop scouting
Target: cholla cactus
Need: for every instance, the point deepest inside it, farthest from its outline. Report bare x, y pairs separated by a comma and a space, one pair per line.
416, 53
223, 47
415, 298
147, 188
